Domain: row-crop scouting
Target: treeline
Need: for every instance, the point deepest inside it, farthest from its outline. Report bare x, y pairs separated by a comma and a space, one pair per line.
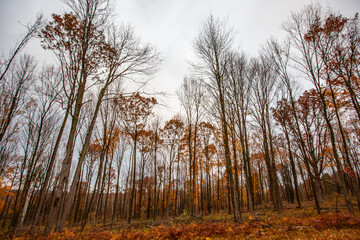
78, 148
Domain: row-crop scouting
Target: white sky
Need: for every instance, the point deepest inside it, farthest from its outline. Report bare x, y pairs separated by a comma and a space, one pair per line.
171, 25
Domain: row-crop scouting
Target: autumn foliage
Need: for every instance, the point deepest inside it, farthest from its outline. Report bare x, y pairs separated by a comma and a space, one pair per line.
85, 154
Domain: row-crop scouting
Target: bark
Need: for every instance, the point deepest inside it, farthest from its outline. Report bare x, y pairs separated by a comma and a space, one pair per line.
71, 195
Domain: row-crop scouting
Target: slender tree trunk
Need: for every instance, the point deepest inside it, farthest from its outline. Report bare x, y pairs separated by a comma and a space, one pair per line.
129, 214
44, 187
336, 157
155, 175
355, 184
293, 168
59, 190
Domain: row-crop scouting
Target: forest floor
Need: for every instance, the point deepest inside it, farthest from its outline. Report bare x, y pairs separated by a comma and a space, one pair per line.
292, 223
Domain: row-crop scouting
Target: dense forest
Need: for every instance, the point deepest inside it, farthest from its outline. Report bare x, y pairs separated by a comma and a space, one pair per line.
78, 148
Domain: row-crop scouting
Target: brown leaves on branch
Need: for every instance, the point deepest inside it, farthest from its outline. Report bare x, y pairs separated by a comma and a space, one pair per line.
332, 26
135, 110
67, 34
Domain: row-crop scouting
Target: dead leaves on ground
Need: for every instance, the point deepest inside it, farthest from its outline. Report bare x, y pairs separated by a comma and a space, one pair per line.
324, 226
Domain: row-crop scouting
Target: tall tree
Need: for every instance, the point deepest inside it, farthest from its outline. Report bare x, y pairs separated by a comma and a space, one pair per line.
308, 60
264, 93
191, 96
135, 112
212, 48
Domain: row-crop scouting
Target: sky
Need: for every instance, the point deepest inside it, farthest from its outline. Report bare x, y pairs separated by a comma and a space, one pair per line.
171, 26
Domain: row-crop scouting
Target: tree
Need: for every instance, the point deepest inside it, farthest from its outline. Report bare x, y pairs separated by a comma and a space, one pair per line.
264, 93
282, 114
240, 85
172, 132
135, 112
41, 115
212, 47
280, 57
32, 30
309, 62
78, 42
91, 56
191, 97
208, 150
336, 39
13, 100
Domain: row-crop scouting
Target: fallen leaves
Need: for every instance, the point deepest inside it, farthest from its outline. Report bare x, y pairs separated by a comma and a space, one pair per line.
324, 226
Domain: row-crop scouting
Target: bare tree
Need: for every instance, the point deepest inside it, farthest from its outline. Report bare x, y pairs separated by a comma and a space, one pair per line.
239, 95
32, 31
13, 89
264, 93
212, 48
279, 56
41, 116
191, 97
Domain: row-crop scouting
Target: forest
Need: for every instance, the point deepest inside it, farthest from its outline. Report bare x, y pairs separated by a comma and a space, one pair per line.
251, 154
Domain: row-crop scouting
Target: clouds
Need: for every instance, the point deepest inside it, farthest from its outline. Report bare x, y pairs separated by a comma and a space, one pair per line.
171, 25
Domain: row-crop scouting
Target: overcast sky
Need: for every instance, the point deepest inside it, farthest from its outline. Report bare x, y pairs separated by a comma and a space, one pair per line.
172, 25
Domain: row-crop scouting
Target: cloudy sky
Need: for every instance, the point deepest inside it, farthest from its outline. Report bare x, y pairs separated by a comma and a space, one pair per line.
172, 25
